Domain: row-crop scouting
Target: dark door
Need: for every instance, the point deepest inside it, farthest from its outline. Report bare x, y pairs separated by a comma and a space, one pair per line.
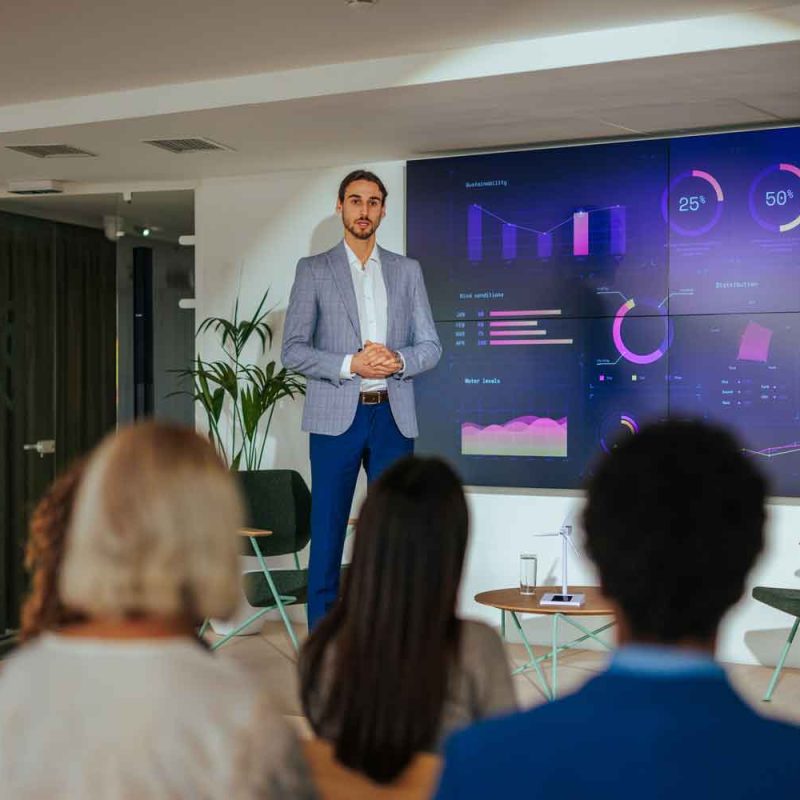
27, 422
57, 370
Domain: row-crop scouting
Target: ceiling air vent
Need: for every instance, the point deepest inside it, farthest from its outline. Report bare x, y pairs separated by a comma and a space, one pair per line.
51, 150
195, 144
35, 187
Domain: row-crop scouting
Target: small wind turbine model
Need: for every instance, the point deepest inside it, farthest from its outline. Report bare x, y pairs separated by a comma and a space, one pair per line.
565, 598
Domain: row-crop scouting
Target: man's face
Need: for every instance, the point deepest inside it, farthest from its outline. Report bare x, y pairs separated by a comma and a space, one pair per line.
362, 209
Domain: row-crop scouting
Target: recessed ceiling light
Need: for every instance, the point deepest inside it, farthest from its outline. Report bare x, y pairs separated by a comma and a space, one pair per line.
361, 3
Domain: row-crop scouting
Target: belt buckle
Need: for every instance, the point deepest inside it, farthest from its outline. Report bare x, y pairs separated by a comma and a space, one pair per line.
366, 398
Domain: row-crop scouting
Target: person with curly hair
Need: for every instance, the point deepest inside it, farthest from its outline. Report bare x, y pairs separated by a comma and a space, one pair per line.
43, 609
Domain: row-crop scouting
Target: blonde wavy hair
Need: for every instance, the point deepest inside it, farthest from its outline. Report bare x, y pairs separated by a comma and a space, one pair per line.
153, 530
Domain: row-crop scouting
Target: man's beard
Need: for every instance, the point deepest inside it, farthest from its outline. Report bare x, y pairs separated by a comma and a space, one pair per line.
358, 233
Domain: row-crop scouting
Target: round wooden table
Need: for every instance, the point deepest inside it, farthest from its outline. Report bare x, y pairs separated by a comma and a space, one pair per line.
512, 602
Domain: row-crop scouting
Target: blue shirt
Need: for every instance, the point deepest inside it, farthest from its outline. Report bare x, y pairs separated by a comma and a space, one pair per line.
659, 724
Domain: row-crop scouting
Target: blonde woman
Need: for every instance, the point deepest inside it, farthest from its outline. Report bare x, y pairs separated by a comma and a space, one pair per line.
126, 703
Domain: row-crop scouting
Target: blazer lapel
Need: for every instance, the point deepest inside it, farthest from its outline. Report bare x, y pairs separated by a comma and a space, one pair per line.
340, 269
389, 272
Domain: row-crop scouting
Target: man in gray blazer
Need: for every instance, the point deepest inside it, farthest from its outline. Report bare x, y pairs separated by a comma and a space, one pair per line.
359, 327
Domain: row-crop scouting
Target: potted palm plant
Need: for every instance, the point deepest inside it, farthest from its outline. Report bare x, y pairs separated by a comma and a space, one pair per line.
239, 398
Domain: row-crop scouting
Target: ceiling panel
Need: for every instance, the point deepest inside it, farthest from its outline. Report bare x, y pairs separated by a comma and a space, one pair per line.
59, 48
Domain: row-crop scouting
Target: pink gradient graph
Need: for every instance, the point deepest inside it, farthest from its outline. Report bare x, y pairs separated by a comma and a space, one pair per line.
754, 344
530, 436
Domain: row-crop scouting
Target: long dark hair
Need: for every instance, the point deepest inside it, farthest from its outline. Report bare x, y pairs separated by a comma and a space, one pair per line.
393, 637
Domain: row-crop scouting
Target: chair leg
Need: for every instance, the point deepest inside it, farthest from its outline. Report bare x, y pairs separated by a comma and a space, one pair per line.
776, 674
276, 596
203, 628
239, 628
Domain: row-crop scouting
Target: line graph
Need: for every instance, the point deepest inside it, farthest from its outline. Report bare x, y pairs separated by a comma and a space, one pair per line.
774, 452
611, 238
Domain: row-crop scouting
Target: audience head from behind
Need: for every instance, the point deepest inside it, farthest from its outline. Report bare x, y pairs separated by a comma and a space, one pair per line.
43, 609
125, 701
377, 671
674, 521
152, 535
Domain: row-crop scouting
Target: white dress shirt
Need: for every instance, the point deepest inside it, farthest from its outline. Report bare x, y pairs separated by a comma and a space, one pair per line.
371, 301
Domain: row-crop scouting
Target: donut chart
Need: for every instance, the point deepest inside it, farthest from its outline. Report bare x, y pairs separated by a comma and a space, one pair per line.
692, 203
626, 352
774, 198
615, 429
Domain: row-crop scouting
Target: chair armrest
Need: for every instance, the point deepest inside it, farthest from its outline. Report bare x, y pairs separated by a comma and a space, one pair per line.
255, 532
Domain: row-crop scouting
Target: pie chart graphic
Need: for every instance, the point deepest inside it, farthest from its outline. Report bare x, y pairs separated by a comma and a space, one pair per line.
627, 353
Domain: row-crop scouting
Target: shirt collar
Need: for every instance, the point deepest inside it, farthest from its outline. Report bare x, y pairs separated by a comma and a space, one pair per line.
355, 261
656, 660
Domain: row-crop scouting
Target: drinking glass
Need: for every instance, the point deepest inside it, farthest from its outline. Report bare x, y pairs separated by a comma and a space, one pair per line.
527, 573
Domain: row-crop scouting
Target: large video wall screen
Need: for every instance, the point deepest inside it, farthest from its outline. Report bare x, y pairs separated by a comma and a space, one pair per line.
582, 292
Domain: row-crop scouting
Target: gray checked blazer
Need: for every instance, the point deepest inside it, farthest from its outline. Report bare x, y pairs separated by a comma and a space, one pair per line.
322, 327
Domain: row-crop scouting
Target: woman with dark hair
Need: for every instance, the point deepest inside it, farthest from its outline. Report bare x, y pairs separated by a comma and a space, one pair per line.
391, 670
43, 609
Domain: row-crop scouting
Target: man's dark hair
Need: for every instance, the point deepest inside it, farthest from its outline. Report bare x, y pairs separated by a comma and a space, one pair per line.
362, 175
674, 521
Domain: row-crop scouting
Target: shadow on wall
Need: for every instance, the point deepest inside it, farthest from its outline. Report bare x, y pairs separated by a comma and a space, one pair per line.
327, 234
766, 645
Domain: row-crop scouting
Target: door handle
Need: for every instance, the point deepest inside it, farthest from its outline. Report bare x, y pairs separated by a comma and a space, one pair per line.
44, 447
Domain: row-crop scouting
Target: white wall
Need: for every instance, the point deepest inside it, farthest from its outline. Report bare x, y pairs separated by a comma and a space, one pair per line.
253, 230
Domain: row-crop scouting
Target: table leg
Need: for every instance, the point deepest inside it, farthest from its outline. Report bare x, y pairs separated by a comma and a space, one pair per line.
554, 659
587, 634
502, 624
532, 660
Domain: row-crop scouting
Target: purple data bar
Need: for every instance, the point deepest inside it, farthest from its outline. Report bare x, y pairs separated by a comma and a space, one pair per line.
617, 228
580, 233
475, 233
509, 241
544, 245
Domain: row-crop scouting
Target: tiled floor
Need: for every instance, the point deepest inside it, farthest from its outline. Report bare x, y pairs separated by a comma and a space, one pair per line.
271, 655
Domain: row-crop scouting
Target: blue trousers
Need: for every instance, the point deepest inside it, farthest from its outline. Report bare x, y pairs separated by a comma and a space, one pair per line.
372, 440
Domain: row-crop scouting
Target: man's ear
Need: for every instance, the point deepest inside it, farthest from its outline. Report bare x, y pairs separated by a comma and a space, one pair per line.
338, 206
383, 210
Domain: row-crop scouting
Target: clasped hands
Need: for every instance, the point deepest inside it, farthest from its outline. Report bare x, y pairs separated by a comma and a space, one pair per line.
376, 361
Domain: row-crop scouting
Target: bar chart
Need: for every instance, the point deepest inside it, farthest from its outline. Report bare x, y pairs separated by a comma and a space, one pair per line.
606, 235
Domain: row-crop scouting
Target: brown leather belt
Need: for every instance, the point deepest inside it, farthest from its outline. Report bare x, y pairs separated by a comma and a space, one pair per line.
373, 398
